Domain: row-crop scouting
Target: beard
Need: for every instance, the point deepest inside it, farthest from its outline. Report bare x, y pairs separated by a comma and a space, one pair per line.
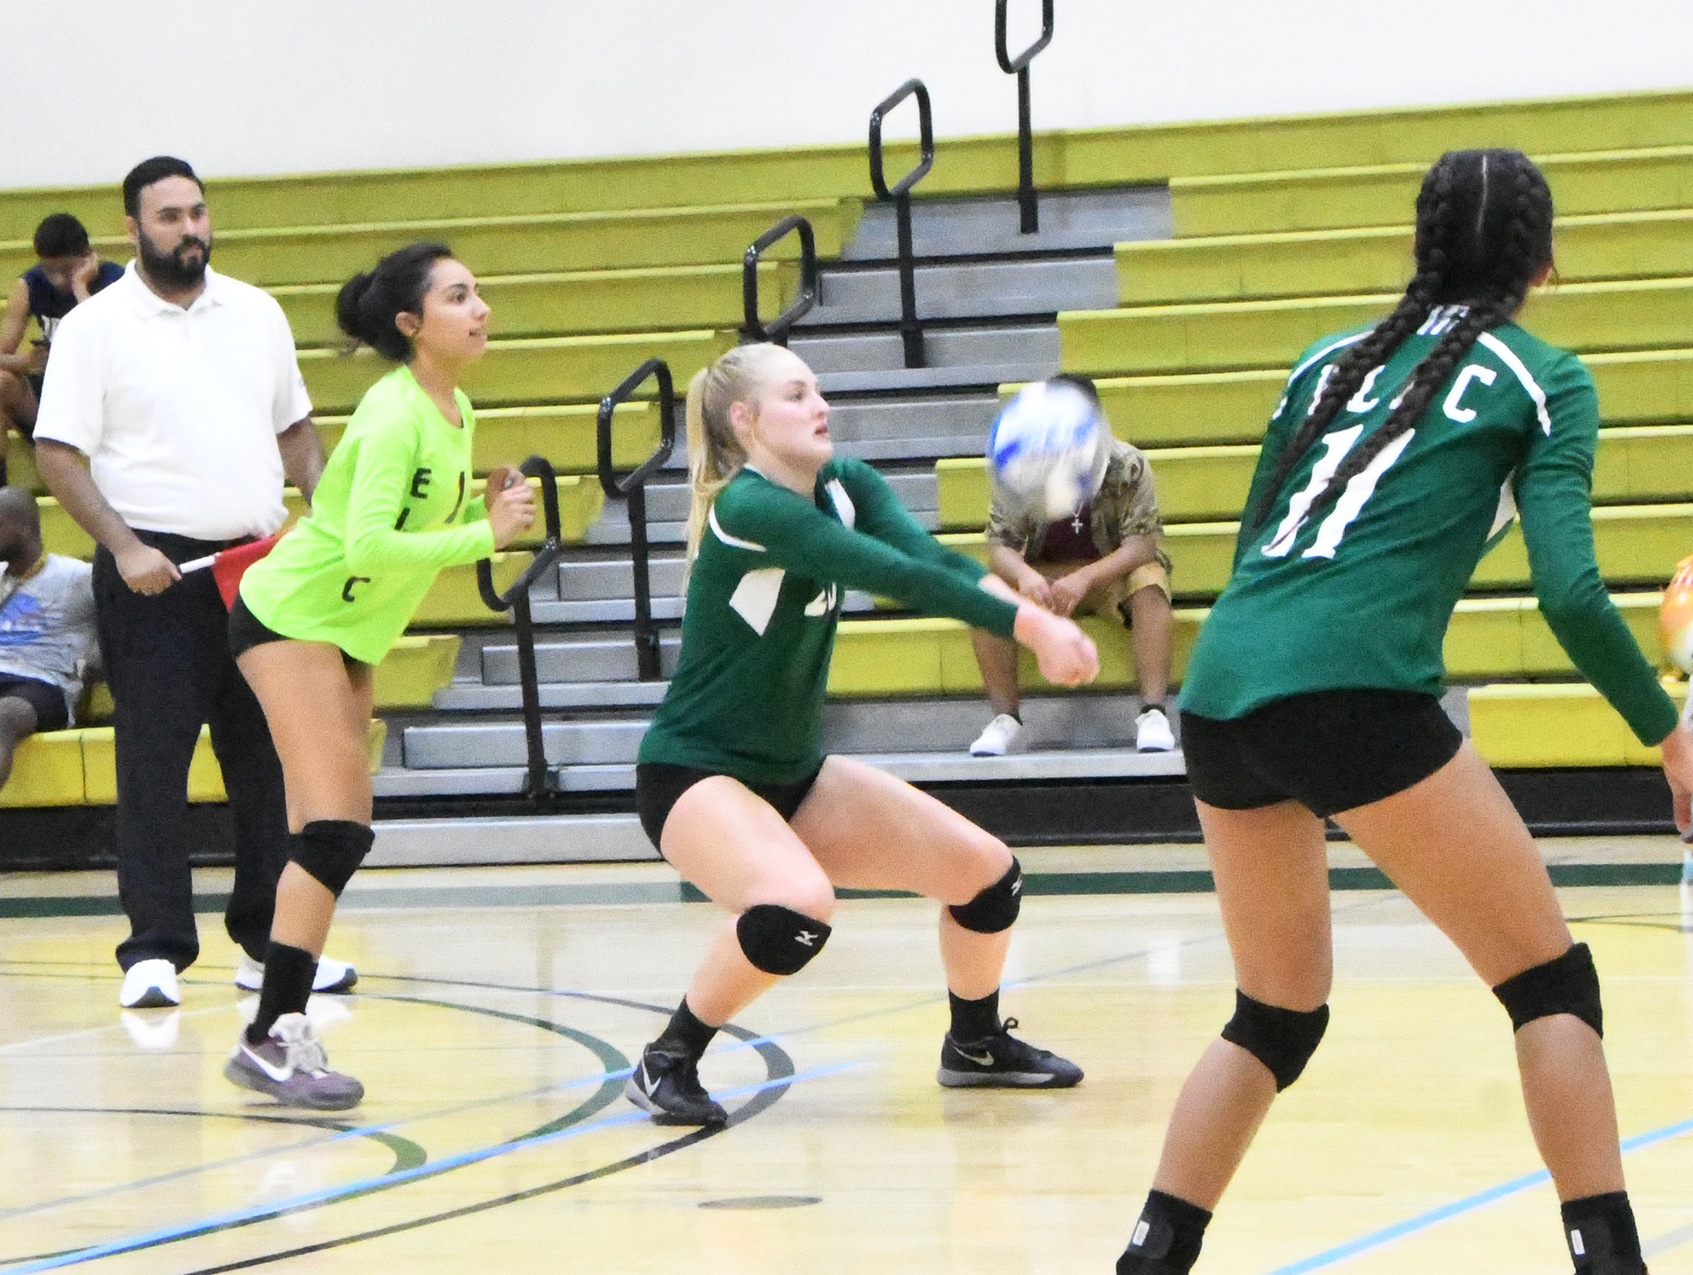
174, 269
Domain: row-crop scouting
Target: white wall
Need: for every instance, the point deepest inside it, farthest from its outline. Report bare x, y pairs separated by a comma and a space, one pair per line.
244, 86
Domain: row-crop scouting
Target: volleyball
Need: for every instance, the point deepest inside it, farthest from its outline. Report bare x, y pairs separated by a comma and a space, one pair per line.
1675, 617
1047, 450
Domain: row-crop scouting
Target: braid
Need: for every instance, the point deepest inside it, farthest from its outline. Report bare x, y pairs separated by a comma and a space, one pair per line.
1430, 375
1507, 259
1474, 250
1434, 229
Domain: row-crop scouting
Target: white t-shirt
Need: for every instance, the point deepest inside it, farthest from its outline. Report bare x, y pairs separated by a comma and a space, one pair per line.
178, 410
47, 624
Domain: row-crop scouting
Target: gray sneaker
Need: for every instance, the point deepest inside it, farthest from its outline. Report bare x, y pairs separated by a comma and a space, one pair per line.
291, 1067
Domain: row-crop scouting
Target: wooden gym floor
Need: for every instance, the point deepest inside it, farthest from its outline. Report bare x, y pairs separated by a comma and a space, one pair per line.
498, 1011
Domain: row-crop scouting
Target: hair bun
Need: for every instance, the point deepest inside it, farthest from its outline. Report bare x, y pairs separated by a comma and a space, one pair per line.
348, 302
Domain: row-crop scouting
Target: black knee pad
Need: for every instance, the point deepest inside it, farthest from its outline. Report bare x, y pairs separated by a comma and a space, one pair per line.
330, 850
779, 940
996, 907
1567, 984
1282, 1039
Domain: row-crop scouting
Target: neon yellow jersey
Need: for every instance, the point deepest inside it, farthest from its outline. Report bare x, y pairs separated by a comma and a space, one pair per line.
390, 511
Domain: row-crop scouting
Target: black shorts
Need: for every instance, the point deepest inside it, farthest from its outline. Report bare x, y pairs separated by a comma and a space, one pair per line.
246, 631
1328, 750
660, 785
52, 712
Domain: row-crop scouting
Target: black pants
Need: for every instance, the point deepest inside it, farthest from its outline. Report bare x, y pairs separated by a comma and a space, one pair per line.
168, 663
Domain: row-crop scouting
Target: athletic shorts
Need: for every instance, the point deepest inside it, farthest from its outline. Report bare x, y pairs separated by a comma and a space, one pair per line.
1111, 599
246, 631
1328, 750
660, 785
52, 712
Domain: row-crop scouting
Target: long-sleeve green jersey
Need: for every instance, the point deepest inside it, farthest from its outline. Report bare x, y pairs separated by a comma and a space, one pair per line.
764, 597
390, 511
1360, 596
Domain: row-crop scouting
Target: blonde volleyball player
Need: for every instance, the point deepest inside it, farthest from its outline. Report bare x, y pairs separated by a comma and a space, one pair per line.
732, 785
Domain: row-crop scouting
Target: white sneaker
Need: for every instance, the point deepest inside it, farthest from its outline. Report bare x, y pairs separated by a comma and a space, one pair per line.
332, 975
1004, 734
149, 985
1152, 732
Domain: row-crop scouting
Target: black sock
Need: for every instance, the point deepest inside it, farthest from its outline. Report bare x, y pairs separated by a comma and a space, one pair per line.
685, 1033
1166, 1239
287, 987
974, 1020
1601, 1235
1148, 705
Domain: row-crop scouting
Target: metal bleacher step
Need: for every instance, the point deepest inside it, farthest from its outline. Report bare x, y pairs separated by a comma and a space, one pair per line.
989, 224
930, 728
1050, 766
586, 659
964, 347
968, 290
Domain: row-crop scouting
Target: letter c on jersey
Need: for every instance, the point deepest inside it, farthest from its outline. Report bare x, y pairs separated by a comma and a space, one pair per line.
1464, 415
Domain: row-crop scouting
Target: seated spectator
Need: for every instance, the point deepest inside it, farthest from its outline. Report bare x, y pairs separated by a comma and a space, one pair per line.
46, 628
1105, 560
69, 271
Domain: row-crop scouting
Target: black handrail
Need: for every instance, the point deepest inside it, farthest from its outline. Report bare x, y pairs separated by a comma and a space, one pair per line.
539, 784
776, 330
633, 488
910, 333
1019, 66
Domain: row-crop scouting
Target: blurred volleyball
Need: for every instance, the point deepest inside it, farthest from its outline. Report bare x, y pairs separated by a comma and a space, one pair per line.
1047, 450
1675, 617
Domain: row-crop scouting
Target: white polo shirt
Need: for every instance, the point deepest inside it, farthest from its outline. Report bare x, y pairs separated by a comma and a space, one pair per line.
178, 410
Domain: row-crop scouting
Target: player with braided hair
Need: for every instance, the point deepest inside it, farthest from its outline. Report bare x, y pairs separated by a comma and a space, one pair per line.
1312, 693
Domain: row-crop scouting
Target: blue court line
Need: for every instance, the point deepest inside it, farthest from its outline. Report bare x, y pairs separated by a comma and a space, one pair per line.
1399, 1230
329, 1195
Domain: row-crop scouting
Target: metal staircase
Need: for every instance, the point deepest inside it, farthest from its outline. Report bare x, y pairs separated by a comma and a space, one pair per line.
988, 297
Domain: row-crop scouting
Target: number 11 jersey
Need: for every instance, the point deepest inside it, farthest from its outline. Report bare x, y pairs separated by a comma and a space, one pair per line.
1360, 596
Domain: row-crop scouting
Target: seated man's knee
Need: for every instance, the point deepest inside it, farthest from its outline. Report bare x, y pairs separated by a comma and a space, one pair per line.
995, 907
779, 940
331, 850
1567, 984
17, 719
1282, 1039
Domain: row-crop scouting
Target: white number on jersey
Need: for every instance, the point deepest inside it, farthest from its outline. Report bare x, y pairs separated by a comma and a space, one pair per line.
1359, 488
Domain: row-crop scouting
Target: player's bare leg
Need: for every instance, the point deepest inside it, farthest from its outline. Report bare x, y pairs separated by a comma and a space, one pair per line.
1458, 849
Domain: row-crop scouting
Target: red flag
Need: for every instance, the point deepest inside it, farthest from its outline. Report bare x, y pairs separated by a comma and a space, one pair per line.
229, 565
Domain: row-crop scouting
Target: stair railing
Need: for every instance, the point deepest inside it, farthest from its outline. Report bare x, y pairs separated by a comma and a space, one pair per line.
910, 333
754, 328
632, 487
1028, 207
541, 781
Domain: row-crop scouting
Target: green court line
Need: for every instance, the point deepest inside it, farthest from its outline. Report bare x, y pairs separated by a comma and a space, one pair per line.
1150, 881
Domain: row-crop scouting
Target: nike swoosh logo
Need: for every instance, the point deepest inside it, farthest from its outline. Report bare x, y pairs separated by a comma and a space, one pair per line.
981, 1060
277, 1075
646, 1077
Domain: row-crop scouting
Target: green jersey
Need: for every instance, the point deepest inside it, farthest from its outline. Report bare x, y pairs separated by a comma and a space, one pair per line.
1360, 597
764, 597
390, 511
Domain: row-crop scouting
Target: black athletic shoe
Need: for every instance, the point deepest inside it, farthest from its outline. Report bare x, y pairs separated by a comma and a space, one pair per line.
1003, 1061
668, 1085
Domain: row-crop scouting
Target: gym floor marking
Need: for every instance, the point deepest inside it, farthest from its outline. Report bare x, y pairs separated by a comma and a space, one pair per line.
869, 1023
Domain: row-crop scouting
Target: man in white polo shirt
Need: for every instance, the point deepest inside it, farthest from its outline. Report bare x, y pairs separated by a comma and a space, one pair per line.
173, 408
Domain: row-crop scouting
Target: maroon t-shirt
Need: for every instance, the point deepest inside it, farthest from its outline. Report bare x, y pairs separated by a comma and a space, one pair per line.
1071, 539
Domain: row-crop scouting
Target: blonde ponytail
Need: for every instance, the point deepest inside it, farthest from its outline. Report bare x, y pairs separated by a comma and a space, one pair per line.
715, 455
